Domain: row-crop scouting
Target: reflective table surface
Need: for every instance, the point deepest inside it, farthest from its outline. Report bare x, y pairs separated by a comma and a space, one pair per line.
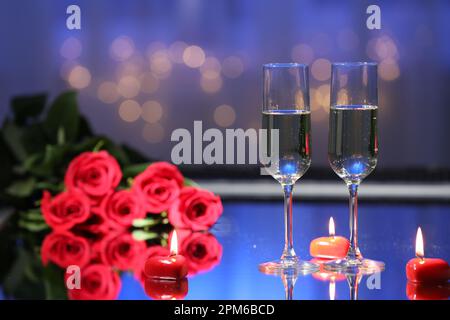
251, 232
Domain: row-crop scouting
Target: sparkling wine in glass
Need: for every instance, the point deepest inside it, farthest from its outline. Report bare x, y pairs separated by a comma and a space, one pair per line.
286, 117
353, 146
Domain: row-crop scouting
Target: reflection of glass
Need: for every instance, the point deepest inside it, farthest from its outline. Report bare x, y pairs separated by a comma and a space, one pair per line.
353, 283
289, 283
289, 278
353, 145
286, 109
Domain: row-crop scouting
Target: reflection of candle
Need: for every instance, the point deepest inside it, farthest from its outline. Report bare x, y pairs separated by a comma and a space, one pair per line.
332, 247
325, 275
421, 269
332, 290
425, 291
172, 267
166, 290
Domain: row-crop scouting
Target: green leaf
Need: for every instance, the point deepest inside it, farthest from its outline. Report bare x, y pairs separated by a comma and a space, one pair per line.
190, 183
134, 155
54, 187
85, 129
147, 222
55, 286
141, 235
99, 146
134, 169
25, 107
22, 188
17, 272
12, 135
92, 144
33, 138
48, 163
24, 141
33, 226
53, 157
61, 136
63, 115
6, 164
32, 215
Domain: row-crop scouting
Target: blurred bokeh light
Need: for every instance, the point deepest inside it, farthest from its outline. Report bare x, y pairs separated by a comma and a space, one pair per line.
145, 68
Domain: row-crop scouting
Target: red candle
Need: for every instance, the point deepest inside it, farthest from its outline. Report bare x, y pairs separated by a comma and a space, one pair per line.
332, 247
172, 267
166, 289
426, 291
421, 269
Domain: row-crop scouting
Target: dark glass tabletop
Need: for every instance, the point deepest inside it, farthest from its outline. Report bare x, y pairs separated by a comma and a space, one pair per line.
252, 232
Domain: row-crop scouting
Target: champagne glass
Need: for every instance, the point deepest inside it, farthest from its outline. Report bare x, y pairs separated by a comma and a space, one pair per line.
353, 146
286, 117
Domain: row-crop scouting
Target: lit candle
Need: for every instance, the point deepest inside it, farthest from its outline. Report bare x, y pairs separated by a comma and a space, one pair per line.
332, 247
159, 289
169, 267
421, 269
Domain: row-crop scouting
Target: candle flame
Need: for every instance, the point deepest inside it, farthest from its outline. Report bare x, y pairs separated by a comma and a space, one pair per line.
332, 290
419, 244
174, 244
331, 229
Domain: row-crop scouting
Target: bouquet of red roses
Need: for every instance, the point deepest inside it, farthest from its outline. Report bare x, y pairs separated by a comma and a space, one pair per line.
93, 201
91, 220
106, 207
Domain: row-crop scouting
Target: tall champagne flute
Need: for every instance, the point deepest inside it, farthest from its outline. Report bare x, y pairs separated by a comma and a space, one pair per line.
286, 113
353, 146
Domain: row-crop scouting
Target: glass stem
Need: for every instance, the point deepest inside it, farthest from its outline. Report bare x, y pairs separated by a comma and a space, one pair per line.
353, 281
288, 252
353, 251
289, 282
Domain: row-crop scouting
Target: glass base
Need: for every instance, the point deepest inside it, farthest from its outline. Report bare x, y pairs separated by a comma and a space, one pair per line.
288, 267
354, 266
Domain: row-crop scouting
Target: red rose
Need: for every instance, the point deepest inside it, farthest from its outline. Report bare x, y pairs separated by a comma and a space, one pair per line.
159, 186
121, 251
152, 251
94, 173
123, 207
202, 250
196, 209
65, 210
65, 249
98, 282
